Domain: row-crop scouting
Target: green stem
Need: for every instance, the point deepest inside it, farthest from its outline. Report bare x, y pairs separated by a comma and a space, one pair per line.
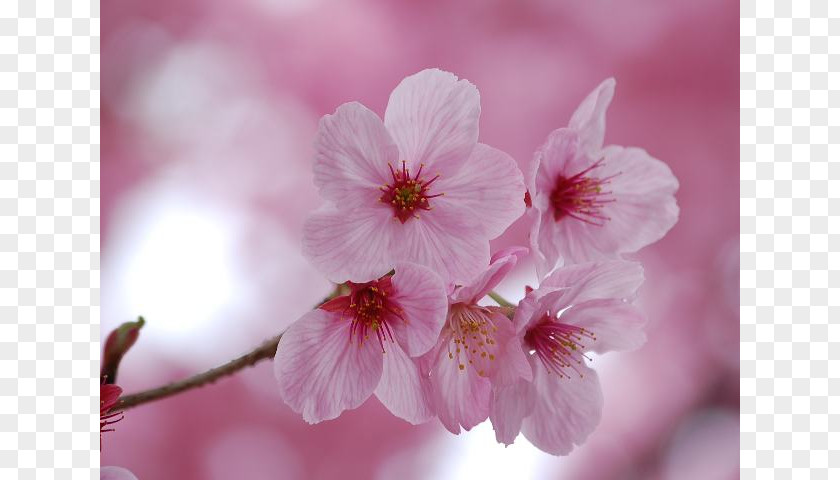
500, 300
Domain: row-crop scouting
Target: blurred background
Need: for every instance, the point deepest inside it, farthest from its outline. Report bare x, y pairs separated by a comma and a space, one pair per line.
209, 109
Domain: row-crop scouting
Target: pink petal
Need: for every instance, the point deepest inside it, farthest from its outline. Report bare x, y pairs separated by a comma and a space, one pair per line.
644, 208
530, 309
508, 408
403, 390
433, 118
421, 295
642, 211
115, 473
515, 251
494, 351
615, 279
108, 395
565, 412
616, 325
490, 185
352, 152
576, 284
321, 371
589, 120
545, 239
449, 242
514, 365
349, 244
561, 154
461, 397
500, 264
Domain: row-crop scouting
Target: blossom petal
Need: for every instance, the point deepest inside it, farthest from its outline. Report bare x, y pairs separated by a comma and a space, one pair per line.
352, 152
589, 120
403, 390
565, 412
560, 155
500, 264
617, 325
545, 240
614, 279
321, 370
433, 118
115, 473
490, 185
420, 293
513, 364
461, 397
449, 242
108, 396
641, 211
349, 244
490, 347
509, 406
644, 208
530, 309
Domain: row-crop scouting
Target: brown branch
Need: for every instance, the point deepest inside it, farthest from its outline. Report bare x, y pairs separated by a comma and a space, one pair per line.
263, 352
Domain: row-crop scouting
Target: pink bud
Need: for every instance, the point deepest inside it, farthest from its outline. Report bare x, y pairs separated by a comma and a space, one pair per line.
116, 345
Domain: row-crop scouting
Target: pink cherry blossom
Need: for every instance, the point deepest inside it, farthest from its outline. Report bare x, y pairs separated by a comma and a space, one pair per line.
577, 309
473, 342
334, 357
592, 202
416, 188
115, 473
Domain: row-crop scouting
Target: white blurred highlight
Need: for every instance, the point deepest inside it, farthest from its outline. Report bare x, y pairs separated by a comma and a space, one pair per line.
476, 454
172, 259
181, 268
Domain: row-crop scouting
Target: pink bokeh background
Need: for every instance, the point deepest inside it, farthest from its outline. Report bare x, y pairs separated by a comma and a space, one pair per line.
209, 109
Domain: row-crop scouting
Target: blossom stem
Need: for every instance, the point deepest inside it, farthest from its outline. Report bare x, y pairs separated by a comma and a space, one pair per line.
265, 351
500, 300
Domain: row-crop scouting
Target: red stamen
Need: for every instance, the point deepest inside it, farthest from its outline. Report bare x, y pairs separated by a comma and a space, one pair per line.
406, 194
582, 196
370, 309
559, 346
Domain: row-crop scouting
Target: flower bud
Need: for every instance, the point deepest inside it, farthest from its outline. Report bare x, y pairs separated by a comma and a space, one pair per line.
116, 345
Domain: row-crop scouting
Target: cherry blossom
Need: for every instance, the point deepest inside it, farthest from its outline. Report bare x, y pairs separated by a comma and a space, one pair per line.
417, 187
474, 341
334, 357
592, 202
576, 310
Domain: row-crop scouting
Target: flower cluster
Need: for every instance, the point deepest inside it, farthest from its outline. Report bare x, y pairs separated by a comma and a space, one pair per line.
412, 204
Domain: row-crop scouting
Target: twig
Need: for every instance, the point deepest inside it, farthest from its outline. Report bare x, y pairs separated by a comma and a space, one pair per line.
263, 352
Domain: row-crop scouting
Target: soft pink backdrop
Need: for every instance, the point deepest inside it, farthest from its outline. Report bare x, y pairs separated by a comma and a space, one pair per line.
209, 109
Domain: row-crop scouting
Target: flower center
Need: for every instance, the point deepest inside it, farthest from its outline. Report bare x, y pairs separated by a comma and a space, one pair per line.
559, 346
372, 311
582, 197
472, 337
407, 194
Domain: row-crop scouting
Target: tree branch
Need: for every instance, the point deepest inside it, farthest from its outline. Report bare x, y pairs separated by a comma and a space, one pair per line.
263, 352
